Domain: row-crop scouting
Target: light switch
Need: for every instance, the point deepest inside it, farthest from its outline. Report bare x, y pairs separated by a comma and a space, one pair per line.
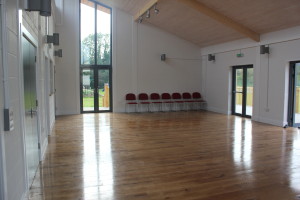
8, 119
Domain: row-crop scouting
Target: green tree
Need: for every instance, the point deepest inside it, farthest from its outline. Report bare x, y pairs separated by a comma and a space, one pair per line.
103, 49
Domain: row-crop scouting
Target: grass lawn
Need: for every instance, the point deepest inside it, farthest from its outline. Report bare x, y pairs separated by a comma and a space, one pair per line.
89, 102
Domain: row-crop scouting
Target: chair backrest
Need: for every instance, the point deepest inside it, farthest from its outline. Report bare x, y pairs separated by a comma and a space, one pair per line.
154, 96
196, 95
143, 96
176, 95
186, 95
165, 96
130, 97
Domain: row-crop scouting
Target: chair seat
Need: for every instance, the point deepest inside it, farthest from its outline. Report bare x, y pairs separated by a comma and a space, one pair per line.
144, 102
168, 102
132, 103
179, 101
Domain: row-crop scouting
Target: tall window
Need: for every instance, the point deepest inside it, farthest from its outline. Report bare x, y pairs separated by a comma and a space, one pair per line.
95, 34
95, 56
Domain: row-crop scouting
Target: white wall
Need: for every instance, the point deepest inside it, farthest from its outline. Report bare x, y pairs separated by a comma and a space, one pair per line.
67, 67
141, 70
270, 103
13, 150
13, 169
32, 21
136, 61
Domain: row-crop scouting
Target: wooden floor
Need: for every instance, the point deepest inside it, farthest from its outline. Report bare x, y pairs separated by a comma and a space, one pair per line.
175, 155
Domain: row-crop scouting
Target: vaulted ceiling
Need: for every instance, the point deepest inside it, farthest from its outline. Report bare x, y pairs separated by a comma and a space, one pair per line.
209, 22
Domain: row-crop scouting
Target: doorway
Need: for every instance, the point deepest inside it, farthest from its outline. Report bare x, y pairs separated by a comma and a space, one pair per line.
242, 90
294, 95
95, 89
30, 105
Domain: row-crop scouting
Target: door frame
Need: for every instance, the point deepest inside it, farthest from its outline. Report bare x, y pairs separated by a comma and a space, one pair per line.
96, 68
244, 93
292, 96
26, 34
47, 92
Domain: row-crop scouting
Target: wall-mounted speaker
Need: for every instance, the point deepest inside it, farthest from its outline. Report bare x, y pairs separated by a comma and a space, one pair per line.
53, 39
43, 6
211, 57
163, 57
58, 53
264, 49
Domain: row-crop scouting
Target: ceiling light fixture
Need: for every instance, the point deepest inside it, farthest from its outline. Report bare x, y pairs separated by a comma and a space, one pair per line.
155, 9
141, 19
148, 13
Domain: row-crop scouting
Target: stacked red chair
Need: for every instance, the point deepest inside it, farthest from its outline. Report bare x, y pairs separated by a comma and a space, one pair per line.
199, 103
167, 102
178, 102
156, 103
131, 101
143, 102
188, 102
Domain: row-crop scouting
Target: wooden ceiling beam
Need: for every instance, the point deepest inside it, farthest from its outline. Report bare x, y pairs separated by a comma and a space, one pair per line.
222, 19
144, 9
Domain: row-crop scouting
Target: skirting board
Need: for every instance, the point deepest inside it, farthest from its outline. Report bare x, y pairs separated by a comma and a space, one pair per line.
268, 121
217, 110
44, 148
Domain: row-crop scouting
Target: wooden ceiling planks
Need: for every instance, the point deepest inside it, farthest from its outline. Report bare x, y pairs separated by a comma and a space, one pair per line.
261, 16
191, 25
222, 19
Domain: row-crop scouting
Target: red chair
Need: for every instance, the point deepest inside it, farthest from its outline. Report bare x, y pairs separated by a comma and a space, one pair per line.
167, 102
199, 103
143, 101
178, 103
130, 101
155, 102
187, 100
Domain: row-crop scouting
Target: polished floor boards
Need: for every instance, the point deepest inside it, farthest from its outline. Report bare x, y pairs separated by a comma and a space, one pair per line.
175, 155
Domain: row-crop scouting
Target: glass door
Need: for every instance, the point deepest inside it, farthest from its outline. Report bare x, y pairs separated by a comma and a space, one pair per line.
242, 90
103, 89
88, 90
238, 91
294, 95
30, 103
95, 89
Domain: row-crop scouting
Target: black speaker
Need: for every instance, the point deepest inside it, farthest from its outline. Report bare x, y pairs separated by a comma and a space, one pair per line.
163, 57
43, 6
53, 39
58, 53
211, 57
264, 49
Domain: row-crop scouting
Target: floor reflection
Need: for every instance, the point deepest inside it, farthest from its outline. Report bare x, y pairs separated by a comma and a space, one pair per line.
97, 161
295, 163
242, 143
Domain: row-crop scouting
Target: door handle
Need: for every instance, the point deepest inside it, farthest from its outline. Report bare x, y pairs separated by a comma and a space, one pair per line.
32, 112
